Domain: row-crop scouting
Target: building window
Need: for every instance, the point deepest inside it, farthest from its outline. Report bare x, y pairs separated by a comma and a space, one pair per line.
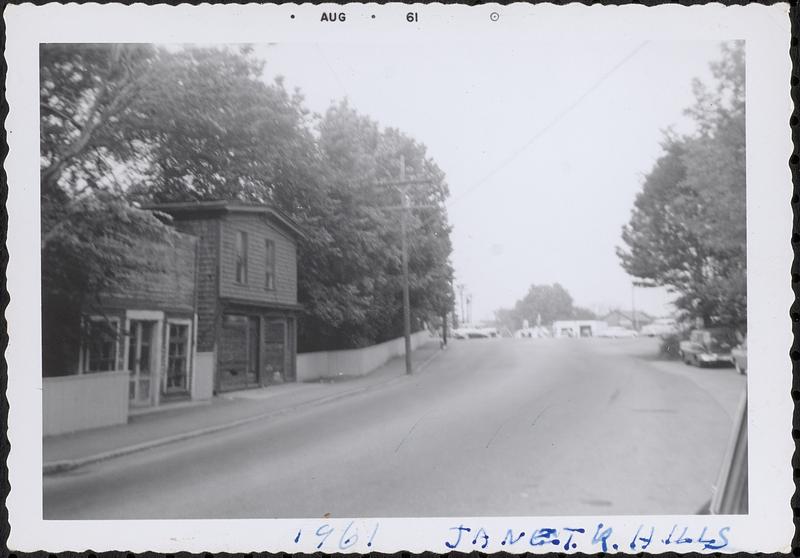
102, 344
178, 357
270, 264
241, 257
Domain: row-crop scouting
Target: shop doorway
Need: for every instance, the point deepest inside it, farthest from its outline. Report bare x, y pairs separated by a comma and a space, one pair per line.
141, 361
275, 355
239, 352
176, 378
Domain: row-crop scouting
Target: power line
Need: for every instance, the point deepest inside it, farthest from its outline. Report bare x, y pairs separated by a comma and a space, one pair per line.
330, 68
551, 124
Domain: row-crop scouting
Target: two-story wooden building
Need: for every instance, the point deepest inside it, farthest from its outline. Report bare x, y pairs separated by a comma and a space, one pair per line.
246, 291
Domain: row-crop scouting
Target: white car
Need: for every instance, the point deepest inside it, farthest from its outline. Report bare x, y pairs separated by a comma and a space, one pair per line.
472, 332
660, 327
460, 333
617, 332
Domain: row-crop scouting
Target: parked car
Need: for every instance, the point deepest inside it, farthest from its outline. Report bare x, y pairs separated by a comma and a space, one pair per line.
617, 332
532, 332
708, 346
739, 356
474, 332
460, 333
660, 328
480, 333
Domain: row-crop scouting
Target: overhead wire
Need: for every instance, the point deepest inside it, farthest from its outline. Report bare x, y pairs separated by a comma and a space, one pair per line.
516, 153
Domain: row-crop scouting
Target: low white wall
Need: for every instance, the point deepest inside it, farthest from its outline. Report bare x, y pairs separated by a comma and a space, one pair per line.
203, 381
84, 401
354, 362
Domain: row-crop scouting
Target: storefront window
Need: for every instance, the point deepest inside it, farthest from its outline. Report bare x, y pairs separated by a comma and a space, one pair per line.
178, 356
102, 345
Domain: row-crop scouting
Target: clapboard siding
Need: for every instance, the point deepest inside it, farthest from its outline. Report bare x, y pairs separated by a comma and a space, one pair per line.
172, 288
258, 230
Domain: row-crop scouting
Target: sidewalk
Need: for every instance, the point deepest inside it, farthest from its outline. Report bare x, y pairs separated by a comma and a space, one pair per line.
70, 451
724, 385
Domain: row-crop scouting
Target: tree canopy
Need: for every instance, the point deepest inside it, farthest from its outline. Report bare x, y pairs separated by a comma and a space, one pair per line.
687, 230
351, 268
124, 125
545, 304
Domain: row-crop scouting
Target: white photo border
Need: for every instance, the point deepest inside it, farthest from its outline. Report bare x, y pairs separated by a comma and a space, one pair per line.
766, 29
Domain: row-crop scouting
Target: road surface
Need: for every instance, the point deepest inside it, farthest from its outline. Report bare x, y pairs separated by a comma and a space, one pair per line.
492, 427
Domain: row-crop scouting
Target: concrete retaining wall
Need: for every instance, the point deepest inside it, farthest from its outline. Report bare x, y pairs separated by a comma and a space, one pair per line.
72, 403
354, 362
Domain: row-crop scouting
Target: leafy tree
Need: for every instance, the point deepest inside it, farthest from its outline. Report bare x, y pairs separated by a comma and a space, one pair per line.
223, 133
91, 237
86, 92
354, 294
98, 245
547, 303
215, 130
581, 313
126, 124
687, 228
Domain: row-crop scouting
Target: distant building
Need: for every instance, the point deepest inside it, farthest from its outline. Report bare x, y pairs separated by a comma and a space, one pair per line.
627, 319
578, 328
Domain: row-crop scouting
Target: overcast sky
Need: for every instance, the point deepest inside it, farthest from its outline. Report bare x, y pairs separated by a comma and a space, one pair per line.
537, 196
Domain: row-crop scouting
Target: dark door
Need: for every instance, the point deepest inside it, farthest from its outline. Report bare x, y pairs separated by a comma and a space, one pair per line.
275, 357
253, 342
238, 352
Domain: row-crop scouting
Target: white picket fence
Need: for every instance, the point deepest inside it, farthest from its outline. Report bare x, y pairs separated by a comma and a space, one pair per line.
72, 403
354, 362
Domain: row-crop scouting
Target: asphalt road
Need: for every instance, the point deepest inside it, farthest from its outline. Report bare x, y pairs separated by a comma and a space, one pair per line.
490, 427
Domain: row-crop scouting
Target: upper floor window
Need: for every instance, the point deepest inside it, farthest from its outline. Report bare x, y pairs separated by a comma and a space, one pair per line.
241, 257
270, 264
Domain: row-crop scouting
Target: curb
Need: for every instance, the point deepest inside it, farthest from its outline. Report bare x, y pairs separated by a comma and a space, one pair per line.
55, 467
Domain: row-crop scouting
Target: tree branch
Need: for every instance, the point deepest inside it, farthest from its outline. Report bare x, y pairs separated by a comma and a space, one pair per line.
62, 115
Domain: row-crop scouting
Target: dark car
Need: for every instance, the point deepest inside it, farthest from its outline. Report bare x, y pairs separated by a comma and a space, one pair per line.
708, 346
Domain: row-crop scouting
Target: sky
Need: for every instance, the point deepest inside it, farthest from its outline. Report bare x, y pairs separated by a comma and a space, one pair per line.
544, 145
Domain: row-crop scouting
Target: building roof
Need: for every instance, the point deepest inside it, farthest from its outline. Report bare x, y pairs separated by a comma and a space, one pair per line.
629, 315
197, 208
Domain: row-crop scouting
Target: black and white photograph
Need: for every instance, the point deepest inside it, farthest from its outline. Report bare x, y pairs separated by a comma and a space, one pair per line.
297, 278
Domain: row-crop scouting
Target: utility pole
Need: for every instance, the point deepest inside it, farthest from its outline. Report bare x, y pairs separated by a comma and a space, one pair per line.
404, 242
633, 306
402, 186
461, 297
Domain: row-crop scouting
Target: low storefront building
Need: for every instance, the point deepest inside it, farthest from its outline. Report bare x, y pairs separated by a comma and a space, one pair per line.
147, 329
